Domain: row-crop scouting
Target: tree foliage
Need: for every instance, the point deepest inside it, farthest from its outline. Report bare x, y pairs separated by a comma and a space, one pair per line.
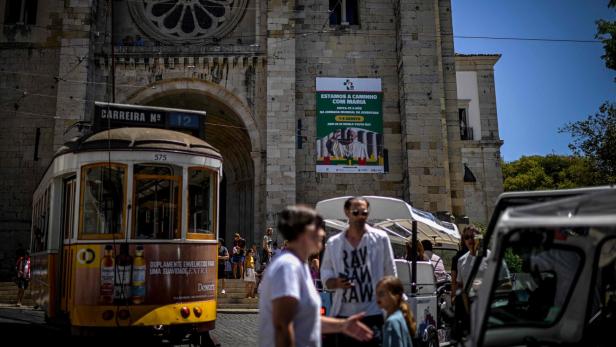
549, 172
606, 32
595, 138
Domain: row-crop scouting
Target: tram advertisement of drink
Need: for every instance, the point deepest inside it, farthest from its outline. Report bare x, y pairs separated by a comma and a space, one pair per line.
125, 229
149, 274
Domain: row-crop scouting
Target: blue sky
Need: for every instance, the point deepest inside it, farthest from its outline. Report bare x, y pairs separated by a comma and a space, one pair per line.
539, 85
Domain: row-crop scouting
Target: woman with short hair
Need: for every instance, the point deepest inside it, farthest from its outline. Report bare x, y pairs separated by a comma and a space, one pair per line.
289, 305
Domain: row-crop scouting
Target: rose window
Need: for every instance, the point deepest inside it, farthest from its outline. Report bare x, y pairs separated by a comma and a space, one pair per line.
187, 20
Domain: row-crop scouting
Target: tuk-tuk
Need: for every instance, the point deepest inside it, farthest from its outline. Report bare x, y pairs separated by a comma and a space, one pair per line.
560, 251
402, 222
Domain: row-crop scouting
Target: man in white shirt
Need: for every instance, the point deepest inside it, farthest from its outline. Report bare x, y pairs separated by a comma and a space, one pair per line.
354, 261
356, 149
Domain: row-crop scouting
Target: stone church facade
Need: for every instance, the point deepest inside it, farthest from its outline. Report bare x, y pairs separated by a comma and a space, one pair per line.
252, 66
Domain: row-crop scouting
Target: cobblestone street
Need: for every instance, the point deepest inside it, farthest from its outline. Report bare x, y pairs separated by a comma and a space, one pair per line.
236, 329
232, 329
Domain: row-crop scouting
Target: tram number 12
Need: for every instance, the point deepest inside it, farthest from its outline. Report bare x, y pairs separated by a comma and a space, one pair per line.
160, 157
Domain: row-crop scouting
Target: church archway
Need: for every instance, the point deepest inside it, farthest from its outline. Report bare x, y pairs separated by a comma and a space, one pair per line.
230, 127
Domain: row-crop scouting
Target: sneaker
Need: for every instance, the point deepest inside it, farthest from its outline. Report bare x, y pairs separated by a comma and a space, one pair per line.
223, 292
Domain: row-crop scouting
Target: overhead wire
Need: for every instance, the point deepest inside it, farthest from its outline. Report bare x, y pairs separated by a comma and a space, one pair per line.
278, 40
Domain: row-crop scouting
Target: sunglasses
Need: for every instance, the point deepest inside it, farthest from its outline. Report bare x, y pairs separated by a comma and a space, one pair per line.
358, 212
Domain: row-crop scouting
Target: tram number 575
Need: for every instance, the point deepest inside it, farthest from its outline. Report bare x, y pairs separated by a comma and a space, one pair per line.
160, 157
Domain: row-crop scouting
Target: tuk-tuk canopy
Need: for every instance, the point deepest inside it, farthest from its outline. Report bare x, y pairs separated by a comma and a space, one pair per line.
395, 217
592, 204
403, 227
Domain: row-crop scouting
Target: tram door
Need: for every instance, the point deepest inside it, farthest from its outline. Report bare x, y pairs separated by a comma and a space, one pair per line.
157, 212
65, 263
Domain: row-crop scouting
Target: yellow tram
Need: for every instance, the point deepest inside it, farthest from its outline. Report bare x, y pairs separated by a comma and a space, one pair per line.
124, 233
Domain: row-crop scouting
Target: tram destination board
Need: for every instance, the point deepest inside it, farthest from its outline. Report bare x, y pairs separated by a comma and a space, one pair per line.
109, 115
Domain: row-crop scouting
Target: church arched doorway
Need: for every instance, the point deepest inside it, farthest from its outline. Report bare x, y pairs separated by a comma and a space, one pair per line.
225, 129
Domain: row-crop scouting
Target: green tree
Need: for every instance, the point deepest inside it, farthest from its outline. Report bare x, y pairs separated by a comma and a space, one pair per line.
548, 172
595, 138
606, 32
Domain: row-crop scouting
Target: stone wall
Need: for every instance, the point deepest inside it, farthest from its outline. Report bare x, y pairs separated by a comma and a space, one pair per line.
280, 172
29, 70
225, 78
428, 106
482, 156
259, 80
367, 50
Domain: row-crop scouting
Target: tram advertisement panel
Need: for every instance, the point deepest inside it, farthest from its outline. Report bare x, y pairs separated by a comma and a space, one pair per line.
147, 274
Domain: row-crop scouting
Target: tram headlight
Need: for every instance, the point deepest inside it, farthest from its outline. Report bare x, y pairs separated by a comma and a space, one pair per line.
123, 314
185, 312
197, 311
107, 315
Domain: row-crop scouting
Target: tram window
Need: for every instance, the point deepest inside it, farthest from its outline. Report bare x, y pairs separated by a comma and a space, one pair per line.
102, 200
40, 222
165, 170
68, 209
37, 233
201, 203
157, 206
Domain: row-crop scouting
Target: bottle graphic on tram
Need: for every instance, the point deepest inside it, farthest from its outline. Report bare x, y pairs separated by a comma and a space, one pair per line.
107, 276
138, 278
123, 271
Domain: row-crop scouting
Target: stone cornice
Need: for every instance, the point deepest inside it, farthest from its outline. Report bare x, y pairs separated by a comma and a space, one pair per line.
474, 62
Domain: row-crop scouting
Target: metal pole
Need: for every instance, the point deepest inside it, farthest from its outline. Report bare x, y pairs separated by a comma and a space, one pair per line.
414, 258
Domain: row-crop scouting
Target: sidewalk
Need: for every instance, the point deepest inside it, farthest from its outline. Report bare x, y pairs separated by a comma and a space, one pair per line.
12, 314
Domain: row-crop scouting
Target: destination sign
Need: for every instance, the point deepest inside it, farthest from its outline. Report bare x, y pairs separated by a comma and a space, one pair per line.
109, 115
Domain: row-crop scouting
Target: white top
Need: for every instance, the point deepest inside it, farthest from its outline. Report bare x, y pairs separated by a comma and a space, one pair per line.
267, 243
357, 150
439, 267
365, 265
465, 265
288, 276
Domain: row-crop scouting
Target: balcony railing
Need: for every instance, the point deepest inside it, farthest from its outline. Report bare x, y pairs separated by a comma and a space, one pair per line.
466, 134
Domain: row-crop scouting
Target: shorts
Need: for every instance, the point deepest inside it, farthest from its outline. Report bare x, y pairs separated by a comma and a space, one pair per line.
250, 276
237, 259
221, 271
22, 283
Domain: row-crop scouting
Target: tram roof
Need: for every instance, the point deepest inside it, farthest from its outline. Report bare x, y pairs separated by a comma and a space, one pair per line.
140, 139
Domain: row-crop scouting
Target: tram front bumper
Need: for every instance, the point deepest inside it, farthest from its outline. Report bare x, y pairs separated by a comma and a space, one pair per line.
143, 315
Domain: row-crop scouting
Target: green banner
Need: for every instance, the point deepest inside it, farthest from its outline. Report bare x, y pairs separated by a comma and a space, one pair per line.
349, 125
